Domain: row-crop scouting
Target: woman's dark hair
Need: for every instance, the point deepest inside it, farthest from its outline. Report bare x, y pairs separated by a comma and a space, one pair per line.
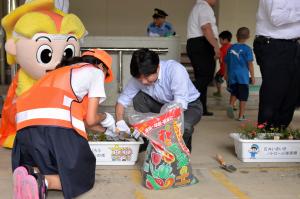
84, 59
144, 62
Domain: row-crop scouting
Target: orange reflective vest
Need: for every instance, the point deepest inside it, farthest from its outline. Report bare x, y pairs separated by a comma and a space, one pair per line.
52, 102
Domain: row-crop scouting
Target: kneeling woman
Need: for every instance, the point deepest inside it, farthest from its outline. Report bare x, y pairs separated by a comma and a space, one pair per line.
51, 150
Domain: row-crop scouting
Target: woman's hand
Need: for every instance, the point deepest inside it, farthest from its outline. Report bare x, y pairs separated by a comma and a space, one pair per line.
109, 122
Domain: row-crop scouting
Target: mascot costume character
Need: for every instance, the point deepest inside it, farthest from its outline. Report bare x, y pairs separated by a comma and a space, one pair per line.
38, 36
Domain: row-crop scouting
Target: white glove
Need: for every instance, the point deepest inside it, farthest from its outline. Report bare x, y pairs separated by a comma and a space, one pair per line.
123, 127
109, 122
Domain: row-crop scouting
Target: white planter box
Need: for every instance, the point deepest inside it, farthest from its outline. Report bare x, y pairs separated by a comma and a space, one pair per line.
116, 153
266, 150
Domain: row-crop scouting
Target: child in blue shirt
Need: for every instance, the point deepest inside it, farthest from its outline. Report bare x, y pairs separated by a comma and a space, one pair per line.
238, 64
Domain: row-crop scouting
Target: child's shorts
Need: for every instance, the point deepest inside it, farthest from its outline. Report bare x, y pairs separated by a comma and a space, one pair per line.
240, 91
57, 150
219, 78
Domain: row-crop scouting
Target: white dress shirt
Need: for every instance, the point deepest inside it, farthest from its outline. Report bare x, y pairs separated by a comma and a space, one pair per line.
279, 19
201, 14
173, 84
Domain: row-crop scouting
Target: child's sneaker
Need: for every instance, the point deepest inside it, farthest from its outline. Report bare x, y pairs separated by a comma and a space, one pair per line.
230, 112
243, 118
29, 188
28, 183
18, 176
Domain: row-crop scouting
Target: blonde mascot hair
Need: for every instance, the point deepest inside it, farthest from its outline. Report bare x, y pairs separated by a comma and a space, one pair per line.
40, 16
36, 16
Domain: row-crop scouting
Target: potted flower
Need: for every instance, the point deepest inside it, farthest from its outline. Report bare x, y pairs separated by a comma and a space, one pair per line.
260, 143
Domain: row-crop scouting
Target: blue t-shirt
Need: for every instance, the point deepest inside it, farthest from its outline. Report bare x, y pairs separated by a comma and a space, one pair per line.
165, 30
237, 58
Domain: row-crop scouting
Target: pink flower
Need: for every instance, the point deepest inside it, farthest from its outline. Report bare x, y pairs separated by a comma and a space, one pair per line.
261, 126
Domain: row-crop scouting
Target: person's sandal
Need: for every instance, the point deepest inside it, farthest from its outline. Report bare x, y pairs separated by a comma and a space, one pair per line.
40, 178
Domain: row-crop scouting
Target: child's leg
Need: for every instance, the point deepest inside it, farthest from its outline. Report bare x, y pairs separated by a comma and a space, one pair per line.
232, 100
219, 81
218, 88
243, 94
242, 109
230, 112
53, 182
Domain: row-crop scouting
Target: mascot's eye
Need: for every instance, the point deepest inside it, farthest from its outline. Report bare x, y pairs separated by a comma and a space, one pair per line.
44, 54
69, 51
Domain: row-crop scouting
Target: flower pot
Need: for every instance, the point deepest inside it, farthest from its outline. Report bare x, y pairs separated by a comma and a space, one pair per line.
116, 153
266, 150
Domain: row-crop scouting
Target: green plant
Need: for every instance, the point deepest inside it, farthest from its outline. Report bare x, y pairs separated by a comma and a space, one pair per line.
250, 130
100, 136
95, 136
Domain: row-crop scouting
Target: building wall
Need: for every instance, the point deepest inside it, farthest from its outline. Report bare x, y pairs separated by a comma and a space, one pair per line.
129, 17
234, 14
237, 13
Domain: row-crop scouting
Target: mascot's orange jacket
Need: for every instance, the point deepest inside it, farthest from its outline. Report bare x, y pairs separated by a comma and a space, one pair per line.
8, 123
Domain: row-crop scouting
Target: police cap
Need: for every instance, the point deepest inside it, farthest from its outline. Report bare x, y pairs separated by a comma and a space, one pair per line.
158, 13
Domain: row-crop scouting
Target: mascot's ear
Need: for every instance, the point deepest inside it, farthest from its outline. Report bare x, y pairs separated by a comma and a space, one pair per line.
10, 47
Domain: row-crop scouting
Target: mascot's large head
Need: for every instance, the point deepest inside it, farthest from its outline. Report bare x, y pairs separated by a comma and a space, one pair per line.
39, 36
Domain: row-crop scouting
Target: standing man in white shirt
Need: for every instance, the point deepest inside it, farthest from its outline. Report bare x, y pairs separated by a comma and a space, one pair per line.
155, 83
277, 50
62, 5
202, 46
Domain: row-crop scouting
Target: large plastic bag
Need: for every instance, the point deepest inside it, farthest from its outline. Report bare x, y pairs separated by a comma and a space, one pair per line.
167, 161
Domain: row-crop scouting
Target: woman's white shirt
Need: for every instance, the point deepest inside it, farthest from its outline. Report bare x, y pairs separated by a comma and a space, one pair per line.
88, 80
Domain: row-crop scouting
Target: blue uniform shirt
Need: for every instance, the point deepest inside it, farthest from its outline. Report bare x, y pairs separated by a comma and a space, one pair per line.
237, 58
165, 30
173, 84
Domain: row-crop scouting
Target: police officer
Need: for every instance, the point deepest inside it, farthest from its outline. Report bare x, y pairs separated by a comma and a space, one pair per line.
159, 27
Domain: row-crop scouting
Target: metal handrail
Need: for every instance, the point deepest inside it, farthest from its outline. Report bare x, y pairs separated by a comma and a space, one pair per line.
120, 52
158, 50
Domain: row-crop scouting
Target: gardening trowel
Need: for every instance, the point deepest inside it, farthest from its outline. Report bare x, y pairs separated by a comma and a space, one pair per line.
223, 165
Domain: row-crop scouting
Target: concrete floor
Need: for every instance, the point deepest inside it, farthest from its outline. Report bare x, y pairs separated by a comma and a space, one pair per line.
211, 136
